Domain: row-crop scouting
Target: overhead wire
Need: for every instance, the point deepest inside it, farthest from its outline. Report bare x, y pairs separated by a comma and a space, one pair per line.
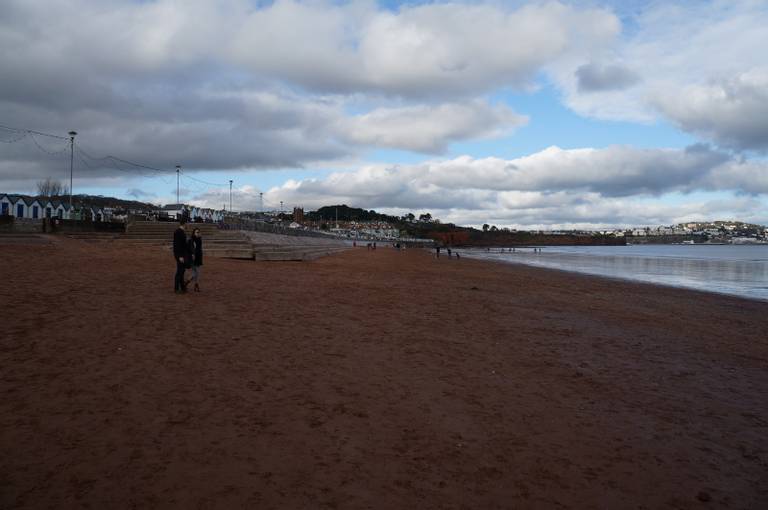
110, 160
18, 139
50, 153
32, 131
191, 185
202, 181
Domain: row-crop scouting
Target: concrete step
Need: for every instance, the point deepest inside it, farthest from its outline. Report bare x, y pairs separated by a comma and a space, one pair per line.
300, 247
141, 242
169, 238
158, 226
94, 235
293, 255
230, 253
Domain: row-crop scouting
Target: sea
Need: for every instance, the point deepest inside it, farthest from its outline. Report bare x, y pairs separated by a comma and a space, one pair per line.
740, 270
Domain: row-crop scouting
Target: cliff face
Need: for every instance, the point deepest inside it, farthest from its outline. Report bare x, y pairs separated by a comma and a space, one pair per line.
482, 239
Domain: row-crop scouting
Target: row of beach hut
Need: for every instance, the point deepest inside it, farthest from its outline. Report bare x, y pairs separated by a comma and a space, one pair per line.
28, 207
23, 206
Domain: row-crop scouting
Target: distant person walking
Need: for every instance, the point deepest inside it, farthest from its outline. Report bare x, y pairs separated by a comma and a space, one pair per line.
195, 247
437, 251
180, 253
449, 253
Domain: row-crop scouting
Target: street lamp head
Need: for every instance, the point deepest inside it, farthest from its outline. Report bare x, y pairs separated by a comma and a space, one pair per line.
72, 133
178, 166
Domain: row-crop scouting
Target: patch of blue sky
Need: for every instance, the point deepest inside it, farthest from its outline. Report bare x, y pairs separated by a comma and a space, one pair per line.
552, 123
262, 180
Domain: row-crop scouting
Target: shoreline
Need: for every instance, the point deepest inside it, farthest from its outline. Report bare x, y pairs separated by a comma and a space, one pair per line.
625, 279
372, 379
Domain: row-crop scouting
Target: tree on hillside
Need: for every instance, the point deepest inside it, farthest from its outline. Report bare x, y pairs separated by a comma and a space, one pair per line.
51, 188
486, 227
426, 217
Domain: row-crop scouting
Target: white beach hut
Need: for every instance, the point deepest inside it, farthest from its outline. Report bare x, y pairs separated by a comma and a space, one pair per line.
68, 211
5, 205
47, 207
35, 209
19, 206
59, 210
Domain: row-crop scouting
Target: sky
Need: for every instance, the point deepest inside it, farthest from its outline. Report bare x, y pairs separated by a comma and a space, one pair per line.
520, 114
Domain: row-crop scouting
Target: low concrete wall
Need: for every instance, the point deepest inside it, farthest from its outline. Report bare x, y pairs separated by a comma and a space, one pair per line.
56, 226
13, 224
6, 223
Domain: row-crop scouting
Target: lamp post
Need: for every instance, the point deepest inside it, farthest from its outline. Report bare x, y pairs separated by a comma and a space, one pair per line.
178, 169
230, 195
261, 202
72, 135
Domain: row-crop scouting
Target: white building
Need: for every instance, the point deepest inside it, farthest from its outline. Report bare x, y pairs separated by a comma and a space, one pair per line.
174, 211
19, 206
5, 205
60, 209
35, 209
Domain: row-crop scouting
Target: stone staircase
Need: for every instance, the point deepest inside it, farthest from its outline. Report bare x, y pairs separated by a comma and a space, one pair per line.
232, 244
278, 247
265, 252
95, 236
217, 243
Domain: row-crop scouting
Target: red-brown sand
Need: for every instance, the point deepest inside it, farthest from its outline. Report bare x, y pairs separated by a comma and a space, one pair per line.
371, 380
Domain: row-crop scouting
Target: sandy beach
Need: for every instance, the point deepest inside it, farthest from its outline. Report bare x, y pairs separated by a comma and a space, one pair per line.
371, 379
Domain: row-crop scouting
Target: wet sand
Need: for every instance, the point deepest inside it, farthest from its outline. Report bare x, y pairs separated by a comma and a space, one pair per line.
371, 380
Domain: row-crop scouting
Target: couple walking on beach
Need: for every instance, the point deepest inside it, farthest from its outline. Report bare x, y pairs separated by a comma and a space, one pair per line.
188, 253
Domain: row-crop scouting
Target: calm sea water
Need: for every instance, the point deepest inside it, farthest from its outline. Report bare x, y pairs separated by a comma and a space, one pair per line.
740, 270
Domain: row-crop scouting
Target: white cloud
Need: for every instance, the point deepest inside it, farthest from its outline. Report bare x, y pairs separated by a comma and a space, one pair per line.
429, 129
554, 187
732, 112
419, 51
237, 84
698, 64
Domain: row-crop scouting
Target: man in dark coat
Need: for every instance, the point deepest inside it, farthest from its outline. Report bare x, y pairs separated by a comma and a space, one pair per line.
180, 253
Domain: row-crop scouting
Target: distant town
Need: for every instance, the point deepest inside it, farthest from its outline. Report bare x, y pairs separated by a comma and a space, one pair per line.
346, 222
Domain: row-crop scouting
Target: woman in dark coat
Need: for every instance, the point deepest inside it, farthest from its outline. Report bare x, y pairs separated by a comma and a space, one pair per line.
196, 250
